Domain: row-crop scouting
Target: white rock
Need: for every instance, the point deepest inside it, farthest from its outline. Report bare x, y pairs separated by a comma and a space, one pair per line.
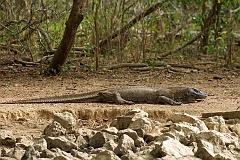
184, 117
186, 128
16, 152
136, 156
235, 128
171, 147
217, 138
144, 123
106, 155
138, 141
123, 122
110, 145
40, 144
80, 155
54, 129
216, 123
205, 150
131, 133
7, 138
111, 130
30, 154
100, 138
81, 142
66, 119
213, 144
125, 143
137, 113
60, 142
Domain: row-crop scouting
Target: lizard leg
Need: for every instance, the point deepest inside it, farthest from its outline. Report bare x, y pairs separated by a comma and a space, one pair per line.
166, 100
107, 96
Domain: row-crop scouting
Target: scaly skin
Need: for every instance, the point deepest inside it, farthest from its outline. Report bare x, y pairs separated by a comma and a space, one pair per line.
127, 95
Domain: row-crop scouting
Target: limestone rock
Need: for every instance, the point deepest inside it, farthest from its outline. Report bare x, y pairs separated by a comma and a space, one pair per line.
80, 155
47, 154
60, 142
81, 142
213, 144
83, 136
54, 129
205, 150
185, 128
40, 144
144, 123
131, 133
217, 123
61, 158
171, 147
16, 152
181, 158
66, 120
138, 141
30, 154
137, 113
110, 145
123, 122
125, 143
217, 138
235, 128
135, 156
100, 138
65, 156
184, 117
7, 138
111, 130
105, 155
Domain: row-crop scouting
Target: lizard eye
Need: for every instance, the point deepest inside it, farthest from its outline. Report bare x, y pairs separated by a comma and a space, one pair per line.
195, 90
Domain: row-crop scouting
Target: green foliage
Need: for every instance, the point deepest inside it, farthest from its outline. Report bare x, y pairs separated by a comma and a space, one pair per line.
172, 25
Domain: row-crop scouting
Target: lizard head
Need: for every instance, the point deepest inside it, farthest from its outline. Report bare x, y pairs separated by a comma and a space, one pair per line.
196, 95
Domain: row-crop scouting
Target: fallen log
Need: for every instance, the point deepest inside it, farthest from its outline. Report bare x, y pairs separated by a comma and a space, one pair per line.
225, 115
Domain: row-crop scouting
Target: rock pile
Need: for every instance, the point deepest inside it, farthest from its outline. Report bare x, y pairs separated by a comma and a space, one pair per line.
129, 137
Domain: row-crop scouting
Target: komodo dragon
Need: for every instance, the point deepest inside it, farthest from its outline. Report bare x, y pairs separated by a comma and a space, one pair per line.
127, 95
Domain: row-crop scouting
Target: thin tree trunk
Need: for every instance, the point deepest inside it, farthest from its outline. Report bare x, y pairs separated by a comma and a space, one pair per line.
96, 31
206, 26
74, 20
131, 23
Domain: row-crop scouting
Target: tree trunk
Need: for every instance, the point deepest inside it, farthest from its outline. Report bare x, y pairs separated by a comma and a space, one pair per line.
205, 29
131, 23
74, 20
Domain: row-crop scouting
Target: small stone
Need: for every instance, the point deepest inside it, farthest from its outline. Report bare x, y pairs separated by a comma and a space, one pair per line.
60, 142
40, 144
80, 155
144, 123
184, 117
30, 154
106, 155
171, 147
111, 130
54, 130
125, 143
7, 138
216, 123
66, 119
100, 138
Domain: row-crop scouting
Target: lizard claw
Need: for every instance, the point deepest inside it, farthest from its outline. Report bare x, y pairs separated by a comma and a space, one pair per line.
177, 103
130, 102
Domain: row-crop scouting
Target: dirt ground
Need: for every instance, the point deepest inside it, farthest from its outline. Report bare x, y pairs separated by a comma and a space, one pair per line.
222, 86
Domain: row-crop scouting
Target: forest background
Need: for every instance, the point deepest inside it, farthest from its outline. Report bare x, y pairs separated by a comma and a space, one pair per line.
149, 35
